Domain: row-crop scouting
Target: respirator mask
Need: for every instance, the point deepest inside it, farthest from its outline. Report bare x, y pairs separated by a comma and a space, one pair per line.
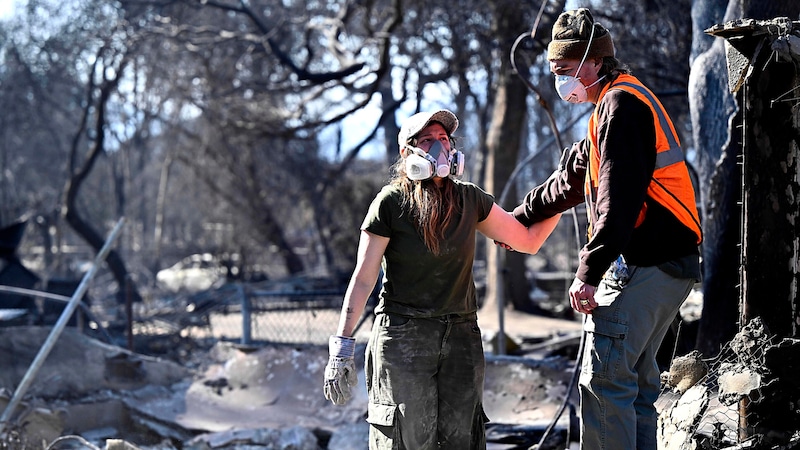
571, 89
436, 162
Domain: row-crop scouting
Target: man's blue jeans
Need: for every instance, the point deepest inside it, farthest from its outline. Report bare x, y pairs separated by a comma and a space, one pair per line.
620, 379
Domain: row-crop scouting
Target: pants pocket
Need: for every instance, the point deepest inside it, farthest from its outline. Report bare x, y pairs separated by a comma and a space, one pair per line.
384, 433
397, 321
479, 430
604, 347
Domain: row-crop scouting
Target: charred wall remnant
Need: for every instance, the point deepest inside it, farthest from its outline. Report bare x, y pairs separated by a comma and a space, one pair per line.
764, 72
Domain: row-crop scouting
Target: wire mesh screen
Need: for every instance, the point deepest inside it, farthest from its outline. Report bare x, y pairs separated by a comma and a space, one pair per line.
744, 397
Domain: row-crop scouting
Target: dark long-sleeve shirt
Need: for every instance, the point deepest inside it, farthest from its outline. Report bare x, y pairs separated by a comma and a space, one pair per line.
627, 141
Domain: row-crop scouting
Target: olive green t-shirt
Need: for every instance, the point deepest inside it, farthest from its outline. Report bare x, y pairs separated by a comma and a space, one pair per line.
417, 283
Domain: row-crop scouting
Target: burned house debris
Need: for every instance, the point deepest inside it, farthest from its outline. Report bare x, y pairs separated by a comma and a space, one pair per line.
232, 396
747, 397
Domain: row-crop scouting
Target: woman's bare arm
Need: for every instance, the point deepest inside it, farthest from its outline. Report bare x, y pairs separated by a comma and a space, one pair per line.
368, 267
503, 227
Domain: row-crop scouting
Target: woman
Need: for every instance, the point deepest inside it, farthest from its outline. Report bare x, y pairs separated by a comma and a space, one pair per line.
424, 361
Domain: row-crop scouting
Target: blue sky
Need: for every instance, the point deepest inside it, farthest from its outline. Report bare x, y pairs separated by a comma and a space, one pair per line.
7, 8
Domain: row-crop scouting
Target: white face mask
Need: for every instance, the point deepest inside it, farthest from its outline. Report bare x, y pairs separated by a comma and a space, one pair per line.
571, 89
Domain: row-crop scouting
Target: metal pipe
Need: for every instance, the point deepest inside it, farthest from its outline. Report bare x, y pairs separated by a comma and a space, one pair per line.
247, 316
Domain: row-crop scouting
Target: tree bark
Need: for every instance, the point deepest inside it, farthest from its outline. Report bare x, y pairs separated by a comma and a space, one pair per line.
712, 104
503, 141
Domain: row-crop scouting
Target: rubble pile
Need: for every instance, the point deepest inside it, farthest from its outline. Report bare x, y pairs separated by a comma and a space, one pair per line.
748, 397
91, 395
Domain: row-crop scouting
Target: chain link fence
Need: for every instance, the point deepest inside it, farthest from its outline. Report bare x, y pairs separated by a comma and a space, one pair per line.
253, 314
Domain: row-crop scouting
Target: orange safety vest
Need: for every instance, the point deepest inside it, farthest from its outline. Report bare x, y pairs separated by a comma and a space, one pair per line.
670, 186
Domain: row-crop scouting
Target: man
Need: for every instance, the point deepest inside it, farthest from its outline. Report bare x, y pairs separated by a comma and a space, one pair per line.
642, 258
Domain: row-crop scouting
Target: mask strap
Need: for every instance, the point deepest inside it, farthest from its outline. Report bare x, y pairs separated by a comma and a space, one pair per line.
586, 53
597, 81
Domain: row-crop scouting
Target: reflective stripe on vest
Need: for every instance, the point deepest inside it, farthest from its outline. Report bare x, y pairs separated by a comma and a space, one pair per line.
670, 186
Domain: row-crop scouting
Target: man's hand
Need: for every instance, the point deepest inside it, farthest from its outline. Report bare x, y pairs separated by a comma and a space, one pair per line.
581, 296
340, 373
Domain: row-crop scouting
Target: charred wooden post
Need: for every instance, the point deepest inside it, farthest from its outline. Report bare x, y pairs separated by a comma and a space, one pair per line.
764, 73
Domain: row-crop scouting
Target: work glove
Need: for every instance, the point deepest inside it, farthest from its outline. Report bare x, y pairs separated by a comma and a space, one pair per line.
340, 373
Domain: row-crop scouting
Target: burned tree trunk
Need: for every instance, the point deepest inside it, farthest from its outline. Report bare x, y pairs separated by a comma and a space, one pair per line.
712, 109
503, 142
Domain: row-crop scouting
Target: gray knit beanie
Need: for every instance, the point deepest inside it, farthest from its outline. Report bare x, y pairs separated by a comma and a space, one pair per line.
571, 34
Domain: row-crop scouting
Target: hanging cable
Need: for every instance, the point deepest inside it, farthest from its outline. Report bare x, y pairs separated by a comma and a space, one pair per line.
539, 98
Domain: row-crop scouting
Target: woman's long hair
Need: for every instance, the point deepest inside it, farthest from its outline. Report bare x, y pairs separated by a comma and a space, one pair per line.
432, 208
